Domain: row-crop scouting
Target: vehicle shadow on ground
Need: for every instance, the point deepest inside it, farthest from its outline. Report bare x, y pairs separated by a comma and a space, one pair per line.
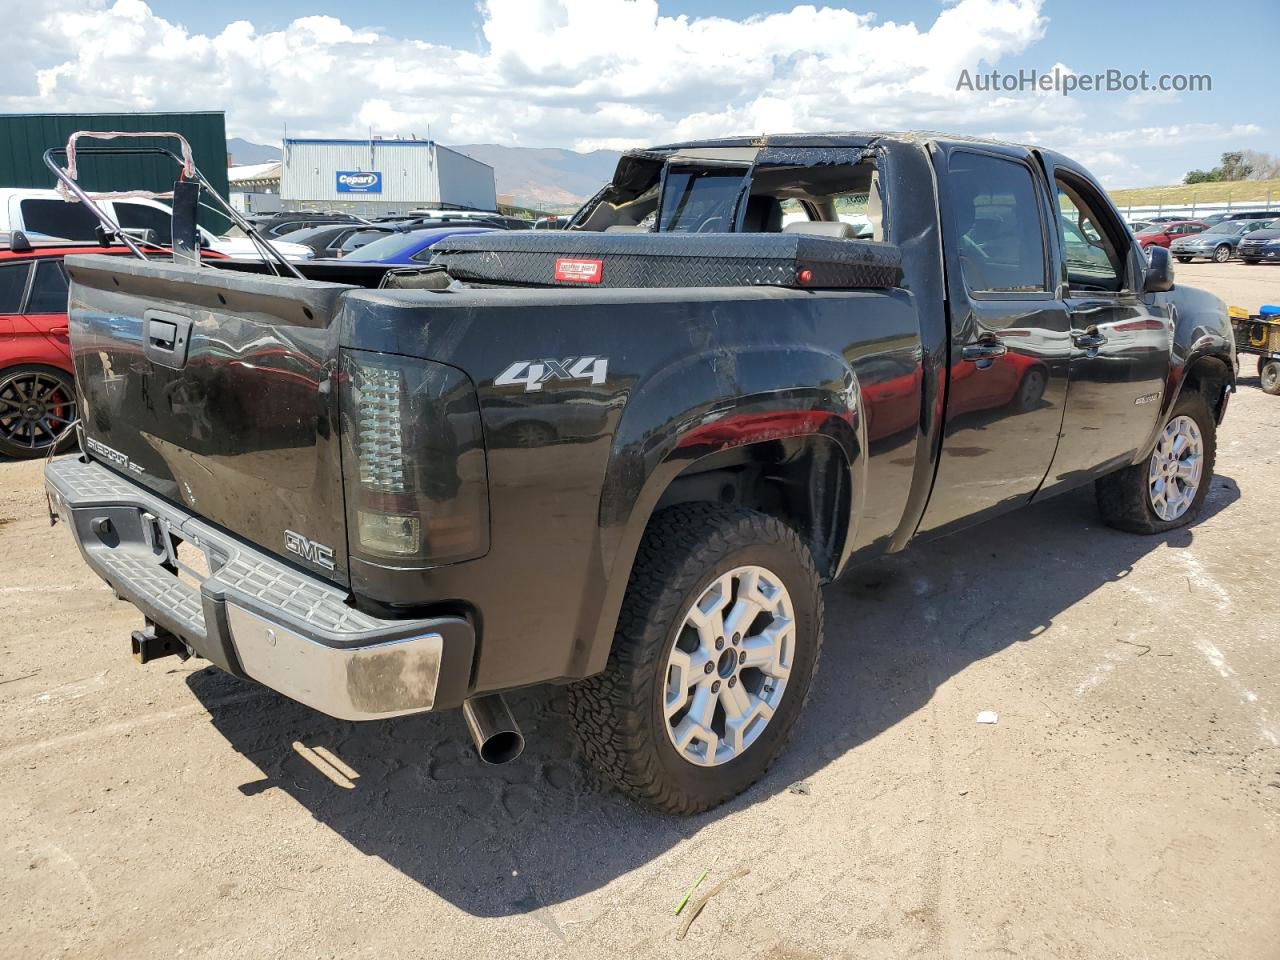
496, 841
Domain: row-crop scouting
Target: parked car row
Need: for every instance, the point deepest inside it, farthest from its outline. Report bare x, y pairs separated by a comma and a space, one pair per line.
1216, 238
280, 224
1218, 243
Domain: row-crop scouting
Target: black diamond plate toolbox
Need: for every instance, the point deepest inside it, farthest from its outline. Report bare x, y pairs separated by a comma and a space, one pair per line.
569, 259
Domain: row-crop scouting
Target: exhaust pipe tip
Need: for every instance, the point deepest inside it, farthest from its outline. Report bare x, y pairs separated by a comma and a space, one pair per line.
502, 747
493, 730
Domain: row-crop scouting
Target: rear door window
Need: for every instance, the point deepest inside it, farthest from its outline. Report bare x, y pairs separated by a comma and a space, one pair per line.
49, 289
999, 227
13, 285
57, 218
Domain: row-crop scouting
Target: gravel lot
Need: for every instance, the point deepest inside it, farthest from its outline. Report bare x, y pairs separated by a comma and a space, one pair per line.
1126, 804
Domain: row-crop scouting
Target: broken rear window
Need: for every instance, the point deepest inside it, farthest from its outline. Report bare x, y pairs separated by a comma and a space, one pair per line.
700, 200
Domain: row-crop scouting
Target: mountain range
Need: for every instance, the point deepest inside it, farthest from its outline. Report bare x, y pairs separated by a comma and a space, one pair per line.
532, 176
242, 151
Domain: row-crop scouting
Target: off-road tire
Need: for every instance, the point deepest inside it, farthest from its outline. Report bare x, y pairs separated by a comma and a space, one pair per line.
1123, 497
617, 714
1269, 377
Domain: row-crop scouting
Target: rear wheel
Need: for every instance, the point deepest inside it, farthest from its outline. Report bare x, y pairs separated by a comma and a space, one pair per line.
1184, 259
1251, 260
1221, 253
37, 408
1168, 489
715, 649
1269, 377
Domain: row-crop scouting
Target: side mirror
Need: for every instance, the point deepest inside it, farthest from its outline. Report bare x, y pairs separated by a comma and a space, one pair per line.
1159, 270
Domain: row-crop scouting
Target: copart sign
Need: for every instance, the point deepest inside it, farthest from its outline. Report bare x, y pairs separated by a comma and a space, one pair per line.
355, 181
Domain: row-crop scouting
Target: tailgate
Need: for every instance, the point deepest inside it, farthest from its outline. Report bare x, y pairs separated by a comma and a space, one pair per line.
214, 390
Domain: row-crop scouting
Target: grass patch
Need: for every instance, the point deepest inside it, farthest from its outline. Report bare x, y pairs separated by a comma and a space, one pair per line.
1183, 195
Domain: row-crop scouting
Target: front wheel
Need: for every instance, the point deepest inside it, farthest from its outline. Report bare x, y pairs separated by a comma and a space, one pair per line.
1184, 259
1269, 377
716, 645
1168, 489
1251, 260
1221, 253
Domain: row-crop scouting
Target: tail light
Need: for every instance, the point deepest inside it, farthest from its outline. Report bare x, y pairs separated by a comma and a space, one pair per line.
413, 462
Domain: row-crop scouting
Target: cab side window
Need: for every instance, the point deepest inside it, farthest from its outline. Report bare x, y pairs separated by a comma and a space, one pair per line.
998, 224
1091, 258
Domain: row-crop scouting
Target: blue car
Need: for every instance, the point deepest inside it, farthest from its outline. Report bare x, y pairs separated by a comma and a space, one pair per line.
406, 248
1261, 245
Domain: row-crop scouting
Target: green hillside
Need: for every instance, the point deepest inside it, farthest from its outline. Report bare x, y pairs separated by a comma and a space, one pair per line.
1236, 191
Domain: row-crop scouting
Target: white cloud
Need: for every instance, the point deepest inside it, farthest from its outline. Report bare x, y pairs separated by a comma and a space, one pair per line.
582, 73
1121, 158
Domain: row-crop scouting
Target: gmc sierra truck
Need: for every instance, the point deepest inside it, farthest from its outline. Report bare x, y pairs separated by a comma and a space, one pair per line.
625, 456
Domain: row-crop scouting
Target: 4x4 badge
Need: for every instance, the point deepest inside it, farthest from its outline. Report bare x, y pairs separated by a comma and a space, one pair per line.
532, 374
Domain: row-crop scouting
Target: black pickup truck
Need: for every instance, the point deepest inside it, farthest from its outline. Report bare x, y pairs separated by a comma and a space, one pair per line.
625, 456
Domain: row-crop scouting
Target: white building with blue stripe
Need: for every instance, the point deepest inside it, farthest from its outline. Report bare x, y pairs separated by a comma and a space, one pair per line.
378, 176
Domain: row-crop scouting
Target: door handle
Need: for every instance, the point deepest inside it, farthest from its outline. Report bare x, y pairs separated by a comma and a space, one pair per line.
988, 348
1091, 339
165, 338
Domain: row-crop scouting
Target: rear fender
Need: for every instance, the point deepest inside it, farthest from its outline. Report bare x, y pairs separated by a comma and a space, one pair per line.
757, 400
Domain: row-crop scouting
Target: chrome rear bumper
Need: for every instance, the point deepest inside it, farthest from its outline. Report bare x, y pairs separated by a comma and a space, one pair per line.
247, 611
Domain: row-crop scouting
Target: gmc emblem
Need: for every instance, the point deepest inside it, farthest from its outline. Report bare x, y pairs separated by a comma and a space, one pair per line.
308, 549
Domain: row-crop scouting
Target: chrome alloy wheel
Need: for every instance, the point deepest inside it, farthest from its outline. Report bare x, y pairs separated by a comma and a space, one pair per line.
729, 666
1176, 464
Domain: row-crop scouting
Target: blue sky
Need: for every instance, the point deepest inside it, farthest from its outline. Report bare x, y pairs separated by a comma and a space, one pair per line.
589, 73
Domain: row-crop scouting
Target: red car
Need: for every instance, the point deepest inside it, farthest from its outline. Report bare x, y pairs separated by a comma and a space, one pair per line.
37, 390
1162, 234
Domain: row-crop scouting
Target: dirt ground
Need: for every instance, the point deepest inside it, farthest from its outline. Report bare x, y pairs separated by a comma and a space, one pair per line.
1126, 804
